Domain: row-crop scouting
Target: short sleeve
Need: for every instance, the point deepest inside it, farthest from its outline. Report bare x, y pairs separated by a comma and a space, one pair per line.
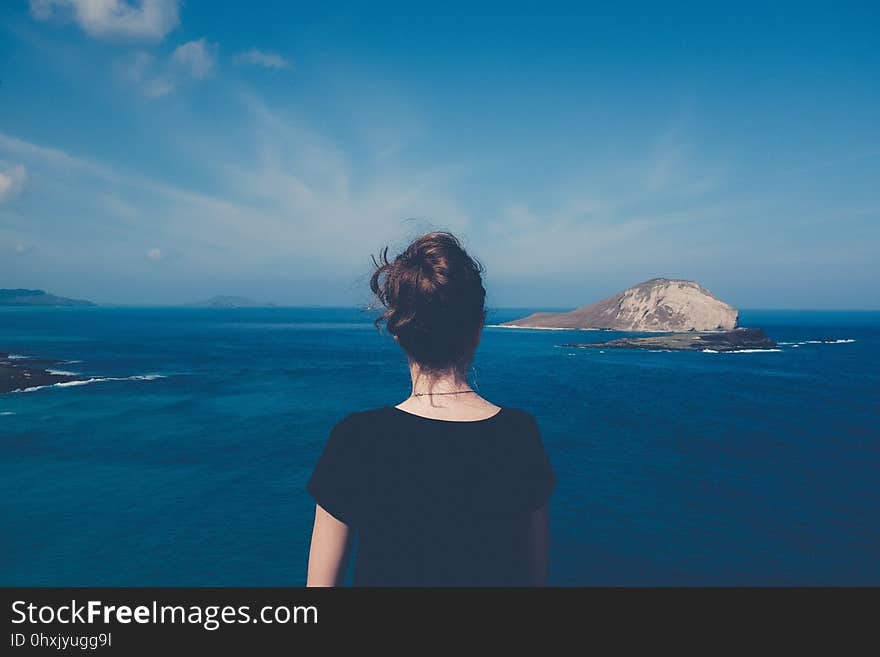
334, 481
538, 478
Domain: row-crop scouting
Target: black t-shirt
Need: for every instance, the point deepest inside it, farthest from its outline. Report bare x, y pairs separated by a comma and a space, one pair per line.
435, 502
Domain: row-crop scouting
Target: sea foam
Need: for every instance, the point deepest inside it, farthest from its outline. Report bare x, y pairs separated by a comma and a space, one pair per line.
83, 382
752, 351
540, 328
803, 342
740, 351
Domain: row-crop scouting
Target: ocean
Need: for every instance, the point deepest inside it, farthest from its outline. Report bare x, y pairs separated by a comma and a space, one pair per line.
184, 460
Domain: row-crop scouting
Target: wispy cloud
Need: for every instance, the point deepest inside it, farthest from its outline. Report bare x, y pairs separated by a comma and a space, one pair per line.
326, 210
60, 160
12, 181
674, 166
149, 20
142, 71
195, 58
280, 177
261, 58
155, 77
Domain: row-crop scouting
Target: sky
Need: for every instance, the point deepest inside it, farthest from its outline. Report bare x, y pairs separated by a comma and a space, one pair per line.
163, 152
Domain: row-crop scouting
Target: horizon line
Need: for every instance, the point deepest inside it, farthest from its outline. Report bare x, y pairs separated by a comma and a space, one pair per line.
188, 306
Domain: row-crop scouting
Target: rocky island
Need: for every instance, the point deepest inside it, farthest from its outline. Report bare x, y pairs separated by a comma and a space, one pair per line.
713, 341
658, 305
22, 297
20, 374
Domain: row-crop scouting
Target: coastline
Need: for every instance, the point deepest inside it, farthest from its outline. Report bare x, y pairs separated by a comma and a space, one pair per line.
736, 340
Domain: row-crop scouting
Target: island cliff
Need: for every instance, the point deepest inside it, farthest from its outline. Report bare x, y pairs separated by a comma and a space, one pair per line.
660, 304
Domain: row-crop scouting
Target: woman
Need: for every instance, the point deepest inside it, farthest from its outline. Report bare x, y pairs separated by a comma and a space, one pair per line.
444, 488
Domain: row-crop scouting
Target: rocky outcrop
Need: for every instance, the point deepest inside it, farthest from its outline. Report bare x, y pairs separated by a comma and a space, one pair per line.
735, 340
19, 374
660, 304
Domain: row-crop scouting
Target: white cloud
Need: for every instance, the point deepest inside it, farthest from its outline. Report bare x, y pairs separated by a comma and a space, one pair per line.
155, 77
154, 254
146, 19
195, 58
12, 181
262, 58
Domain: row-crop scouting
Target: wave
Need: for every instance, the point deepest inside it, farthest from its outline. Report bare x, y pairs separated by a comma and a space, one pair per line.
752, 351
803, 342
541, 328
83, 382
7, 413
740, 351
16, 357
63, 372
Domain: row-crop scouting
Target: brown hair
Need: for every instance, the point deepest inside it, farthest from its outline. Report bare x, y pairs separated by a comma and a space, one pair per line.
434, 300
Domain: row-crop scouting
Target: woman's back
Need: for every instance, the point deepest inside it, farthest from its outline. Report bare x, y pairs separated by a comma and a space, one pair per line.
456, 498
435, 502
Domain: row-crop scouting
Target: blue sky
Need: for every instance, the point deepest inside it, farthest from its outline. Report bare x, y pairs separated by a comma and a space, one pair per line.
164, 151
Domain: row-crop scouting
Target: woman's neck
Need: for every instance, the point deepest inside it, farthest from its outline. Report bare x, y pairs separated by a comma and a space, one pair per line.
445, 396
427, 383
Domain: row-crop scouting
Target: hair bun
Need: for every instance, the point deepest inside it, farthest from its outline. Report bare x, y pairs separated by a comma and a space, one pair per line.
434, 299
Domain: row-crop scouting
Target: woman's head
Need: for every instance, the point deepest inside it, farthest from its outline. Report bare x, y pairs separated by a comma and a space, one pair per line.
434, 301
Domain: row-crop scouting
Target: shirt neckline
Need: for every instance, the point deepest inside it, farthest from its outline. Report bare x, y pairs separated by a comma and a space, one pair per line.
437, 419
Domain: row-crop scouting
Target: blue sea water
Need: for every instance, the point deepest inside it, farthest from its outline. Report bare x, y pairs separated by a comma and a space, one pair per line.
674, 468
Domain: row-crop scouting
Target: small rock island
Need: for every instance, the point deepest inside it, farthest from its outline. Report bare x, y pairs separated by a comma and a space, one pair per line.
733, 340
690, 317
20, 374
658, 305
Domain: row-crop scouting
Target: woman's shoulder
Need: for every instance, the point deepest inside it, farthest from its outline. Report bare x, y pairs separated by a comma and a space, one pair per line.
519, 418
519, 413
360, 421
355, 419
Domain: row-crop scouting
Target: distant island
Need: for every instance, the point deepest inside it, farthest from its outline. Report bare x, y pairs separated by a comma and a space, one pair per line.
739, 339
22, 297
658, 305
230, 302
